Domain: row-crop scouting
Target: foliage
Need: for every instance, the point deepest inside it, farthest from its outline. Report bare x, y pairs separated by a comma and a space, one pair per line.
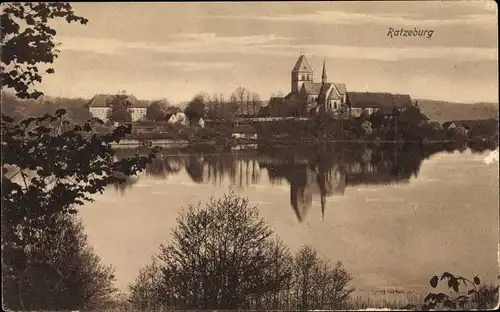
156, 111
20, 109
196, 107
28, 40
120, 110
461, 298
49, 166
366, 126
62, 272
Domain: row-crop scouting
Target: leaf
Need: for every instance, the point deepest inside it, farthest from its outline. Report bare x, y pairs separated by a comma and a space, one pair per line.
440, 297
446, 275
450, 283
430, 296
477, 281
470, 292
434, 281
60, 112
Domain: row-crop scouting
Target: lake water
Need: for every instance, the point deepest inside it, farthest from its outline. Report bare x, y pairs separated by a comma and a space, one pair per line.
395, 216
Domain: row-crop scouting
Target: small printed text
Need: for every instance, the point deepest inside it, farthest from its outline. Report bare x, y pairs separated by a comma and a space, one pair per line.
427, 33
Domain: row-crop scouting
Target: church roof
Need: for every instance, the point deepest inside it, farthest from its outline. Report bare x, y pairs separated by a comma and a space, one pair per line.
402, 100
334, 96
369, 99
302, 65
378, 100
325, 87
313, 87
341, 87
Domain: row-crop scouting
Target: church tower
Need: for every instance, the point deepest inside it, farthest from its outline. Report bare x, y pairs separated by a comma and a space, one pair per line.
301, 73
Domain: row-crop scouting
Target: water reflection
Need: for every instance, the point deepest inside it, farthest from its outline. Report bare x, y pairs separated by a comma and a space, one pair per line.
319, 172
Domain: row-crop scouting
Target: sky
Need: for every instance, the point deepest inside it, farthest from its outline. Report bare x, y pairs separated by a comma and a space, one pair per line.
175, 50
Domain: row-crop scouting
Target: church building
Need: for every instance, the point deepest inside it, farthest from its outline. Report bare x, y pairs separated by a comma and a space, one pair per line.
309, 98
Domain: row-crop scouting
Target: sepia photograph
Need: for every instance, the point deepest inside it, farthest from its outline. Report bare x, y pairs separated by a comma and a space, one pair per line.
295, 156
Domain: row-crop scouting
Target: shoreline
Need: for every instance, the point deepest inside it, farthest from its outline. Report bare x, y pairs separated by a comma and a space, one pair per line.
179, 143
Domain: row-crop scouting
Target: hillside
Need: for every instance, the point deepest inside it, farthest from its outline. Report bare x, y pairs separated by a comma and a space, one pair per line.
445, 111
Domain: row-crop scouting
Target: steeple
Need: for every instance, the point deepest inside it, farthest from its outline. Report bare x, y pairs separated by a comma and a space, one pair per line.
323, 76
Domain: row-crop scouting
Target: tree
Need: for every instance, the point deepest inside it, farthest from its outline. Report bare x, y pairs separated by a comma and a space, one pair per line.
49, 164
146, 290
46, 172
319, 284
377, 119
255, 104
219, 256
218, 108
28, 40
196, 107
156, 111
120, 108
67, 273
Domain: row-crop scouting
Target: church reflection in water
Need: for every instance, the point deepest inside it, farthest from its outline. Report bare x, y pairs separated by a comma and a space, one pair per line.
311, 173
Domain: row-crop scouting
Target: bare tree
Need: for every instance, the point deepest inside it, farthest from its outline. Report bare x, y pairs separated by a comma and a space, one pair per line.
145, 291
319, 284
219, 256
240, 98
256, 103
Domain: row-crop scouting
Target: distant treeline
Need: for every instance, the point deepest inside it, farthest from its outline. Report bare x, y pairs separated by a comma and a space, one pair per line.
21, 109
407, 125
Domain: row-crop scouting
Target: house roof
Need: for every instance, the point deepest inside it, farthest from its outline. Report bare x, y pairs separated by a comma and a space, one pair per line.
378, 100
101, 100
173, 110
468, 124
244, 129
447, 124
302, 65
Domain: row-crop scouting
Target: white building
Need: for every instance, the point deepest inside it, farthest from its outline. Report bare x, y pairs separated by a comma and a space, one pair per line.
98, 107
175, 115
